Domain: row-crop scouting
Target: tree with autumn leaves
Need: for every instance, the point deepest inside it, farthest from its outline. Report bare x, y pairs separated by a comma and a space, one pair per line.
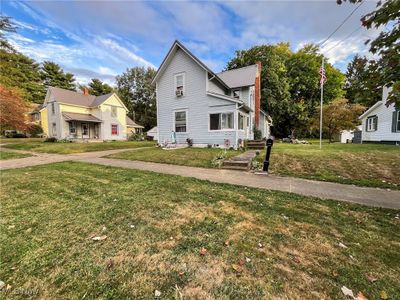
13, 109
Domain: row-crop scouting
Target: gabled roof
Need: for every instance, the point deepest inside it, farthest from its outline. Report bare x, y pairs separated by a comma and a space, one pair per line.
172, 50
371, 109
131, 123
75, 98
239, 77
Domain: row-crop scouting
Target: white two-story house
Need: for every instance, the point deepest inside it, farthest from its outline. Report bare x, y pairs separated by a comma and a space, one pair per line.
213, 109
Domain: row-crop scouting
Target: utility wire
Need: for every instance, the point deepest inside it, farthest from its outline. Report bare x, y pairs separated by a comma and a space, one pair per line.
341, 24
338, 43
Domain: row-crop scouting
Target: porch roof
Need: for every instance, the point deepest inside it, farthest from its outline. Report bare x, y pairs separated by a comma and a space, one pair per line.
68, 116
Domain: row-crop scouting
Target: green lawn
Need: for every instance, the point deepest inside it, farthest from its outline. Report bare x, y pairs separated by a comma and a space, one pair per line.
4, 140
155, 225
195, 157
365, 165
12, 155
68, 148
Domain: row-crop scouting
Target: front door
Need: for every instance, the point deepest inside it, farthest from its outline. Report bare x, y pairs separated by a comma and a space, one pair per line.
85, 131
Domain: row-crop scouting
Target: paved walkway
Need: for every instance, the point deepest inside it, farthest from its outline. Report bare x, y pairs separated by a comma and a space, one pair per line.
325, 190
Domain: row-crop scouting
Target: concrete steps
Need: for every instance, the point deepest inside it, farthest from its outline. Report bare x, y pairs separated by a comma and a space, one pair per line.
236, 165
255, 145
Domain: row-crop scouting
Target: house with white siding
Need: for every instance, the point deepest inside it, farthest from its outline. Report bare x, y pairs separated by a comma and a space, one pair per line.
381, 122
217, 109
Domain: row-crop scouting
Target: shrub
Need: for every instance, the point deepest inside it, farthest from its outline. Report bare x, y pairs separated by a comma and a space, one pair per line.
50, 140
218, 159
257, 133
136, 137
35, 130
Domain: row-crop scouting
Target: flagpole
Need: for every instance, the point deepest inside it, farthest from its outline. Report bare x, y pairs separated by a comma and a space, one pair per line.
320, 117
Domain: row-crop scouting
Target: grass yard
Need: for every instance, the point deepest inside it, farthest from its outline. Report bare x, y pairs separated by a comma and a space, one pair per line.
365, 165
12, 155
4, 140
69, 148
195, 157
156, 225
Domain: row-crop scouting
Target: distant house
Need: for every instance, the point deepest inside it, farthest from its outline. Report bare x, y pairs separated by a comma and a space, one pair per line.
381, 123
153, 133
208, 108
132, 127
80, 116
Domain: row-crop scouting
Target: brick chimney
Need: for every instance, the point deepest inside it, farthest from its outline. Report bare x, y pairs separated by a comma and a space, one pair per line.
257, 95
86, 92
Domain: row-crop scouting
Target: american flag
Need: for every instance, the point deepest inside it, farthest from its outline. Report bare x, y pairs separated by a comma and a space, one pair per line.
322, 73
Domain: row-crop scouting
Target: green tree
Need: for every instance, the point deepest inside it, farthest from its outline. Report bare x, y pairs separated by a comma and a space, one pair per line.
338, 115
53, 75
138, 94
98, 88
18, 70
386, 45
6, 25
363, 81
275, 94
290, 89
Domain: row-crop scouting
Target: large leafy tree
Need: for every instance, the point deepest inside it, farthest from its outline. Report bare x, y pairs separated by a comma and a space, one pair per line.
53, 75
275, 94
290, 88
6, 25
363, 81
138, 94
98, 88
338, 115
386, 45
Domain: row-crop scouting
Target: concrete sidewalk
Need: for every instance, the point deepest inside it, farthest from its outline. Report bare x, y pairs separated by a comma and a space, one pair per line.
325, 190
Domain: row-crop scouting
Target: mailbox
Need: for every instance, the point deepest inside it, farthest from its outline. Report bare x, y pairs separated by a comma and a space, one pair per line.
269, 144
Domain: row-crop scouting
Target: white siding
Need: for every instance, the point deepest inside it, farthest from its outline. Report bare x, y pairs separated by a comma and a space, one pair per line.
195, 101
384, 131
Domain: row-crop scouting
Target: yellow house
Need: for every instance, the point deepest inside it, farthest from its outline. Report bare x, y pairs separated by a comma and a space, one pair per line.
72, 115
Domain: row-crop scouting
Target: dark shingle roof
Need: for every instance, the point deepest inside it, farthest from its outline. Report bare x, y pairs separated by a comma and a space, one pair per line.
80, 117
131, 123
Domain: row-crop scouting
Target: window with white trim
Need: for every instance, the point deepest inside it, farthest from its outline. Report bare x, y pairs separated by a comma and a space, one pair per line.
241, 121
179, 84
114, 129
54, 129
221, 121
53, 109
236, 94
180, 121
72, 128
113, 111
398, 121
372, 123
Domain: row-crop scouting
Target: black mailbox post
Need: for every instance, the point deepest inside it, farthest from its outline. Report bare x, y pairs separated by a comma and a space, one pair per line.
270, 142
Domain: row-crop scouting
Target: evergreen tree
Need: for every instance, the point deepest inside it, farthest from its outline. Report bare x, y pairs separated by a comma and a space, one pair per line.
53, 75
98, 88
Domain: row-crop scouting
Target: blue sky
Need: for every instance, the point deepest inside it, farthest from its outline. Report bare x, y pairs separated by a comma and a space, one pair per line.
100, 39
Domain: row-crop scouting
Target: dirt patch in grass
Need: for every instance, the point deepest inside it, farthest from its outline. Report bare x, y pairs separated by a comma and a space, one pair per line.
287, 246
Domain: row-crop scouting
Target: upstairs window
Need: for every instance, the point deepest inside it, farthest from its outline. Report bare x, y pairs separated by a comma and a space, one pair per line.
113, 111
53, 109
180, 121
236, 94
179, 84
221, 121
372, 123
